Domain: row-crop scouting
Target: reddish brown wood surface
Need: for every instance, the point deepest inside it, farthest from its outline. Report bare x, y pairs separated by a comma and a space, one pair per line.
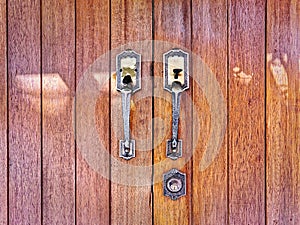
3, 115
250, 47
283, 124
131, 200
209, 45
92, 38
246, 112
58, 84
24, 67
172, 24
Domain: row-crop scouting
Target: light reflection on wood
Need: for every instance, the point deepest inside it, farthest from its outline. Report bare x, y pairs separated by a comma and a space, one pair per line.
241, 76
279, 73
54, 91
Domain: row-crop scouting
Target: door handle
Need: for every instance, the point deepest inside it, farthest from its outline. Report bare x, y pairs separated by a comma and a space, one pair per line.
128, 82
176, 80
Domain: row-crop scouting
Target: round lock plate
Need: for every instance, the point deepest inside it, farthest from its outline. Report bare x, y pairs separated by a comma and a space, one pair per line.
174, 184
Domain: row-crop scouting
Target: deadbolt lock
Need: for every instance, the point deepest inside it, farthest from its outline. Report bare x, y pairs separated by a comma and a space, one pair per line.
174, 184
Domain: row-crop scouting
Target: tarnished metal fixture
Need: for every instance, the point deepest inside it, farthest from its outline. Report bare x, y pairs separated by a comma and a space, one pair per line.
128, 82
174, 184
176, 80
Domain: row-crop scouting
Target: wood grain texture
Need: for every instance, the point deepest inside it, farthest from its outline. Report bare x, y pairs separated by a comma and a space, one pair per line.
283, 112
131, 200
209, 43
3, 115
58, 84
172, 24
50, 180
92, 38
24, 66
246, 112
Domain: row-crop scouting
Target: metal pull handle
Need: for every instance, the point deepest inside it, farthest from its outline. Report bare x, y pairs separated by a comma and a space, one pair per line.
175, 81
128, 82
126, 94
176, 91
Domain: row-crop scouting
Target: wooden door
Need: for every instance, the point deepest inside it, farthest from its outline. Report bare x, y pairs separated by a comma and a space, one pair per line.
61, 116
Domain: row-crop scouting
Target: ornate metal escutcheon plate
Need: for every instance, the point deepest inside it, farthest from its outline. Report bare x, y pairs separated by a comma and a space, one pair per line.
176, 80
128, 82
174, 184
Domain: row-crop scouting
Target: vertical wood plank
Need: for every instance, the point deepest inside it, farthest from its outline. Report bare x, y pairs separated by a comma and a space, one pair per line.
24, 112
283, 112
58, 80
131, 200
172, 24
209, 42
92, 40
3, 115
246, 112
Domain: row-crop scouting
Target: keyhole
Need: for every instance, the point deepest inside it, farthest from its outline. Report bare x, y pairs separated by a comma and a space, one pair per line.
176, 73
127, 80
174, 185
